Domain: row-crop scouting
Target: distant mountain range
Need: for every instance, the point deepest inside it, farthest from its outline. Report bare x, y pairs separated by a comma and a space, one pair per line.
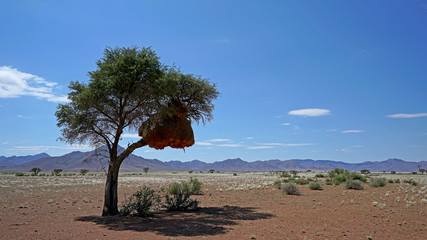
94, 161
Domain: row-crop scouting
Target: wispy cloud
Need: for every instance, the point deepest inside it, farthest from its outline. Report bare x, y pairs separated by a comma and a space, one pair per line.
310, 112
407, 115
14, 83
230, 145
356, 146
129, 135
286, 124
352, 131
286, 144
260, 147
46, 148
369, 52
204, 143
219, 140
249, 138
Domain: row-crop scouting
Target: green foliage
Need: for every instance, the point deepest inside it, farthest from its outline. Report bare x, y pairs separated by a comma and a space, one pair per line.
340, 175
146, 170
390, 181
177, 197
83, 171
190, 172
422, 170
141, 203
314, 186
35, 171
19, 174
393, 172
195, 186
277, 184
328, 181
294, 172
365, 171
319, 175
377, 182
411, 182
301, 181
56, 172
290, 189
353, 184
397, 181
335, 172
285, 174
211, 171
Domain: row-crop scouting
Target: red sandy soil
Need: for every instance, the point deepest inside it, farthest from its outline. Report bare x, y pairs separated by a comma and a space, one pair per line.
265, 213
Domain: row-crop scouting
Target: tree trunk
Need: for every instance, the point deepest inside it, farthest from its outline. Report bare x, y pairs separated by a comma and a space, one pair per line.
111, 198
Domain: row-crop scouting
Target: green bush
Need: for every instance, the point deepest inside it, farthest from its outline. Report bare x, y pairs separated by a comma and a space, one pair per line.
285, 175
141, 203
393, 172
390, 181
353, 184
277, 184
56, 172
314, 186
319, 175
195, 186
19, 174
340, 176
411, 181
178, 197
377, 182
290, 189
35, 171
301, 181
83, 171
397, 181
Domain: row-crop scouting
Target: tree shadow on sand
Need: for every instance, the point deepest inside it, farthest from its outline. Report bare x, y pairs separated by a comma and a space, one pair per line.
204, 221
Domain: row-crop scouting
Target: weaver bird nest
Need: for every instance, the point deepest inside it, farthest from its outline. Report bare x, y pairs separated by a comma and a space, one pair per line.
172, 129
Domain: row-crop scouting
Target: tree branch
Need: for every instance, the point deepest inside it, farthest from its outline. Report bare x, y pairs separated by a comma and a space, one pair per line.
130, 149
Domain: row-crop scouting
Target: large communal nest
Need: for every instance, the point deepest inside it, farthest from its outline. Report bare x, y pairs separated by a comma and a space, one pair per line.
171, 129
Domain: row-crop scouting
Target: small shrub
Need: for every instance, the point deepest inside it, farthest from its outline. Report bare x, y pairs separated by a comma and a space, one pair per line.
290, 189
234, 174
35, 171
393, 172
411, 182
277, 184
195, 186
141, 203
314, 186
19, 174
377, 182
285, 175
83, 171
301, 181
397, 181
328, 183
353, 184
310, 179
390, 181
319, 175
178, 197
365, 171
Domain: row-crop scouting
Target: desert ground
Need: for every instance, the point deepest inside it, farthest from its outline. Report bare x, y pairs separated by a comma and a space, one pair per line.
242, 206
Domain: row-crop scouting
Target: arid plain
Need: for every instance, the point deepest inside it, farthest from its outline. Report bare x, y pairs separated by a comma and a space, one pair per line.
242, 206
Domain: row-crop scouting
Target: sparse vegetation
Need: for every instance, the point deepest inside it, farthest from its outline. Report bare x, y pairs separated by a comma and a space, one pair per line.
56, 172
141, 203
19, 174
177, 197
377, 182
340, 175
353, 184
195, 186
301, 181
393, 172
83, 171
390, 181
315, 186
290, 189
365, 171
285, 175
278, 184
319, 175
146, 170
397, 181
35, 171
411, 182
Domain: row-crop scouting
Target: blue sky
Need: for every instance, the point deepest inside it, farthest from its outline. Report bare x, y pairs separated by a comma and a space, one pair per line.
338, 80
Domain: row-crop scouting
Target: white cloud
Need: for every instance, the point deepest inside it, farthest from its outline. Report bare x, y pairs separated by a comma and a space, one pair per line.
129, 135
352, 131
230, 145
219, 140
204, 143
407, 115
286, 124
310, 112
46, 148
5, 143
14, 83
286, 144
260, 147
249, 138
356, 146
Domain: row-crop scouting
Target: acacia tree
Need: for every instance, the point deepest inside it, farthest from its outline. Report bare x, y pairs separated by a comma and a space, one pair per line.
129, 87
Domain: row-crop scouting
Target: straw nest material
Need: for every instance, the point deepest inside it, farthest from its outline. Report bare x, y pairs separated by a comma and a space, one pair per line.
173, 130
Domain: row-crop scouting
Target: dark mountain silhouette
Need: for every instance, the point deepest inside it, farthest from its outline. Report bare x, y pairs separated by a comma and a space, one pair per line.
93, 161
14, 160
96, 160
